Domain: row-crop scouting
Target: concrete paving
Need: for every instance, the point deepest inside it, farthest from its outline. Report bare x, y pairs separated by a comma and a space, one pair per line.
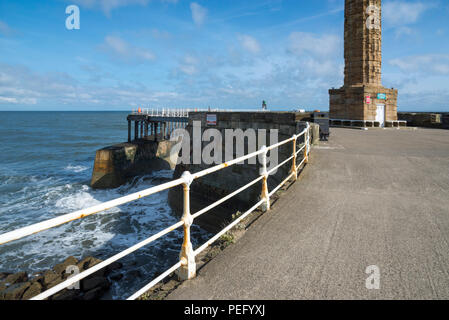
377, 197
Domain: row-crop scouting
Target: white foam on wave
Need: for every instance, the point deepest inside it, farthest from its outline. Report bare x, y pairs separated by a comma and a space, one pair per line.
116, 227
76, 169
82, 199
105, 233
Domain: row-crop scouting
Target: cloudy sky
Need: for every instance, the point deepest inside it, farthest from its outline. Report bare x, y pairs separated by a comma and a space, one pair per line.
219, 53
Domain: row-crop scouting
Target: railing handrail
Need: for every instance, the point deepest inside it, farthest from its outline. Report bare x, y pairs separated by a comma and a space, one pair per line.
183, 112
187, 253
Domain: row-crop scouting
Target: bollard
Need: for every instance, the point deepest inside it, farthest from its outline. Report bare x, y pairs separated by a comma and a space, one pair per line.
187, 270
265, 195
294, 169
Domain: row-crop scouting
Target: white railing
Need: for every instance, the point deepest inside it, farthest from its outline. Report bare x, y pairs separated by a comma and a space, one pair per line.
168, 112
174, 112
186, 264
372, 122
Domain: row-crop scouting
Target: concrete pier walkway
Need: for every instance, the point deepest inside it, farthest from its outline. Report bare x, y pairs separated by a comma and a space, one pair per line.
377, 197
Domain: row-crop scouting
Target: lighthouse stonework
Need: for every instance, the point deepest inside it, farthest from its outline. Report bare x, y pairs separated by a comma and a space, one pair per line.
363, 97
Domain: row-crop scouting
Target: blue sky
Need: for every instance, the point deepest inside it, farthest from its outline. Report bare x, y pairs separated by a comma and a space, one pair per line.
218, 53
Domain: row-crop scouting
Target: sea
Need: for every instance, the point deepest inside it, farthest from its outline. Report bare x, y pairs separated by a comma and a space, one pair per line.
46, 163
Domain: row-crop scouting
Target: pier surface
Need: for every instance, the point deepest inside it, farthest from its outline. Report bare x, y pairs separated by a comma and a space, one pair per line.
377, 197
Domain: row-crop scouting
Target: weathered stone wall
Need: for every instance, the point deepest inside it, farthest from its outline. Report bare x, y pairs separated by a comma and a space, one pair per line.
425, 119
212, 187
116, 164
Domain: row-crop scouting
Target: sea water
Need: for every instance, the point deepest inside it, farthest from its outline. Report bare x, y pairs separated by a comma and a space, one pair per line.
46, 162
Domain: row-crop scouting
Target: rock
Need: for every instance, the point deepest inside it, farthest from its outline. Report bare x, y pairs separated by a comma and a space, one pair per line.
93, 294
33, 290
15, 291
3, 275
116, 276
95, 282
16, 278
55, 282
62, 267
89, 262
114, 266
67, 295
49, 276
38, 279
3, 286
36, 276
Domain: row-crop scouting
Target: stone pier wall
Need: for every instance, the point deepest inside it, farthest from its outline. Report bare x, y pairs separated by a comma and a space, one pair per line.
117, 164
212, 187
425, 119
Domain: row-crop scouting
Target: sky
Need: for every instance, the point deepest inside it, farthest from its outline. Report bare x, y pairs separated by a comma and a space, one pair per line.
218, 53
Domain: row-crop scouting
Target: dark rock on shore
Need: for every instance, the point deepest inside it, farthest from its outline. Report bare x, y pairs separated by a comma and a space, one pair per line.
33, 290
18, 286
16, 277
15, 291
62, 267
3, 275
116, 276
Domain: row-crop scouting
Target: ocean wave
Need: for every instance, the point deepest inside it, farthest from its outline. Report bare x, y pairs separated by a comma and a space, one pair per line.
76, 169
102, 234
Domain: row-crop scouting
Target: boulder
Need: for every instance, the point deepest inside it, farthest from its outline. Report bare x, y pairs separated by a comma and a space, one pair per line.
55, 282
49, 277
95, 282
89, 262
116, 276
33, 290
93, 294
3, 275
3, 286
62, 267
15, 291
114, 266
66, 295
16, 278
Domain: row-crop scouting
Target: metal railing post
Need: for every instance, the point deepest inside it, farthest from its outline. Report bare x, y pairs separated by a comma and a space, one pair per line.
294, 169
265, 194
187, 270
306, 145
309, 140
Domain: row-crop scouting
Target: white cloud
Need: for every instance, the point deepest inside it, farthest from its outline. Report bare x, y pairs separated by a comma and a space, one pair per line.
401, 31
23, 87
400, 13
430, 64
317, 45
125, 52
249, 43
199, 13
189, 65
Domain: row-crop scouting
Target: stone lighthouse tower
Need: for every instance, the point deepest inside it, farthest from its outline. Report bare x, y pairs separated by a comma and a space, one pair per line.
363, 97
